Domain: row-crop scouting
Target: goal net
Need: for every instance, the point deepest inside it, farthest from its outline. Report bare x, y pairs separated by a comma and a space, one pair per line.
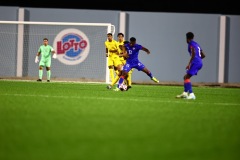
79, 46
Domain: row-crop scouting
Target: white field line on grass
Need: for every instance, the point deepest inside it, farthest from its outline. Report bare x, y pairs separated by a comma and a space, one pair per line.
96, 83
58, 81
121, 99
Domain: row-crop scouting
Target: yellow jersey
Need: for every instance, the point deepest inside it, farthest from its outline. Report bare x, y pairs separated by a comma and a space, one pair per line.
113, 45
120, 44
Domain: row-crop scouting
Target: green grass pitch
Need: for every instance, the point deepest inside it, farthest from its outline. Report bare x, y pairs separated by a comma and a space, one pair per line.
86, 121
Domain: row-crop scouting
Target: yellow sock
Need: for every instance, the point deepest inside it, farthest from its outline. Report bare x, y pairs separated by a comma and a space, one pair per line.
111, 74
115, 80
129, 79
116, 72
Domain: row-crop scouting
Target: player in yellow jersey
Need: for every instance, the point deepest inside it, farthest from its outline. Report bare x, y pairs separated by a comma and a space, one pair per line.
112, 53
121, 42
123, 60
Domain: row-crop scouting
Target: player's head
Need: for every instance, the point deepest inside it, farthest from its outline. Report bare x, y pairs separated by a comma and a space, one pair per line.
125, 42
45, 41
120, 36
189, 36
109, 36
132, 41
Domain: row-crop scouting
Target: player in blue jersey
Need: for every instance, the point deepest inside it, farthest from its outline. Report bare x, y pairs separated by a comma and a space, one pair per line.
131, 51
194, 65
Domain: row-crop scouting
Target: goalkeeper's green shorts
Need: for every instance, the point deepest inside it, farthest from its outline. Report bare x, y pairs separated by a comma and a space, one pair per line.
45, 63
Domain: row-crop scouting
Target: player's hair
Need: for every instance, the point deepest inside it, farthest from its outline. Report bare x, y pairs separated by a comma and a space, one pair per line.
120, 34
125, 42
109, 34
189, 35
132, 39
45, 39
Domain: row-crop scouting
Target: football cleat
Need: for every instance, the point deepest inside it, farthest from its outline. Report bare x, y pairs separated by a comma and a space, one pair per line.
39, 80
109, 87
116, 89
48, 80
128, 87
123, 87
191, 96
155, 80
183, 95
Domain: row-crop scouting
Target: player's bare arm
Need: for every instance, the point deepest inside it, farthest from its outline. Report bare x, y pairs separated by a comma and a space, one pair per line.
106, 52
203, 55
114, 50
146, 50
124, 52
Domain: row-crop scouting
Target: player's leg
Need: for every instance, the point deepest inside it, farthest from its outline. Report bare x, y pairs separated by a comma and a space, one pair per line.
188, 91
119, 66
40, 70
116, 72
125, 70
116, 79
187, 86
194, 69
48, 74
111, 68
129, 78
48, 69
121, 80
145, 70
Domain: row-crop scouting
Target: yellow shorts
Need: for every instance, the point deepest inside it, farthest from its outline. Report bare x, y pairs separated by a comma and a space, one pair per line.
123, 60
114, 60
130, 72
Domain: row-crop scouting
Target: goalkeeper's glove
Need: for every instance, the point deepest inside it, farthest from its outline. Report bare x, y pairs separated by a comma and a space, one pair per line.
36, 59
54, 56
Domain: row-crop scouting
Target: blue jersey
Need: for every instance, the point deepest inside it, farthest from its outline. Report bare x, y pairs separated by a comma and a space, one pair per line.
197, 48
196, 63
132, 60
133, 52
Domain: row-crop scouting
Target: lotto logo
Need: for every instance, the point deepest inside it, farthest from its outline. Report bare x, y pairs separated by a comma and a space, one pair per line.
72, 46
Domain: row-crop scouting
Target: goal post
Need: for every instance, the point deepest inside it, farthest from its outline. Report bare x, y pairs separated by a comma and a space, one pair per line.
79, 46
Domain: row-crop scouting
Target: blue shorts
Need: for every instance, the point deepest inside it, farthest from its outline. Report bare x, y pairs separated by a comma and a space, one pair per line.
194, 68
139, 66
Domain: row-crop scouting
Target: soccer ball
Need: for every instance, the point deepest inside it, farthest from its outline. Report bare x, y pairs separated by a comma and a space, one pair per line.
123, 87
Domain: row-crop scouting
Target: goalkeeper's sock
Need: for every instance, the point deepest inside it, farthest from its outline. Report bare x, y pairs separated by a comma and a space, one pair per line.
40, 73
48, 74
111, 74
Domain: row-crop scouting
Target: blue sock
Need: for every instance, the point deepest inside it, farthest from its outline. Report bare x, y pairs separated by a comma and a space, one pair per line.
185, 87
188, 87
150, 75
120, 81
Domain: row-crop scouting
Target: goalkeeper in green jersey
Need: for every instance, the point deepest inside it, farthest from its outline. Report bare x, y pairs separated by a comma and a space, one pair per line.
46, 52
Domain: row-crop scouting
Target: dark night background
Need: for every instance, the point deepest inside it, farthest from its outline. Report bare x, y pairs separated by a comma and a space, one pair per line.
177, 6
